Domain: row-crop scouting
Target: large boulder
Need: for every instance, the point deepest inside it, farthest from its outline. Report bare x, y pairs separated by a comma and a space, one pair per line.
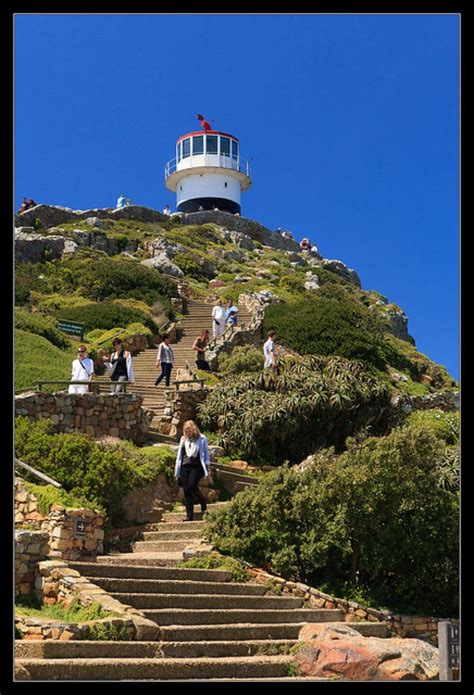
52, 215
34, 248
161, 245
342, 652
162, 263
341, 269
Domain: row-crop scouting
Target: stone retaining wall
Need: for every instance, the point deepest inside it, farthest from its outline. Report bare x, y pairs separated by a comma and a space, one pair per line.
59, 526
30, 548
421, 627
115, 415
180, 406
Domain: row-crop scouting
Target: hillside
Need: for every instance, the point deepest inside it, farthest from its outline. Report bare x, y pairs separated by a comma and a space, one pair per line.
354, 493
111, 269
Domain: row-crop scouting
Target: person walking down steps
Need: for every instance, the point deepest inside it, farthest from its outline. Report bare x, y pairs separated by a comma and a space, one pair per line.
165, 359
192, 464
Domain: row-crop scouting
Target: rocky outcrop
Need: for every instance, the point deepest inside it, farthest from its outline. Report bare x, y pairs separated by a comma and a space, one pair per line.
34, 248
341, 269
342, 652
161, 245
163, 264
235, 223
52, 215
312, 281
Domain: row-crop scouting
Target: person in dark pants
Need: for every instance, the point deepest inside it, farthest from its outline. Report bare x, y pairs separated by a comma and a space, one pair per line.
165, 358
200, 345
192, 464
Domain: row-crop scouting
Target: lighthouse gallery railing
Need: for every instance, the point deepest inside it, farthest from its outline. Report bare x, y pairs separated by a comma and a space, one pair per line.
220, 160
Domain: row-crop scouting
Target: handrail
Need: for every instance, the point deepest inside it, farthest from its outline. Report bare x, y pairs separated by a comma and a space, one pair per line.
95, 384
38, 474
225, 161
111, 337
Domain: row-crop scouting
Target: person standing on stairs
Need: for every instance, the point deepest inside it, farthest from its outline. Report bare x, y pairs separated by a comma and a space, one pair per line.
120, 366
218, 319
165, 359
82, 370
231, 313
192, 464
200, 345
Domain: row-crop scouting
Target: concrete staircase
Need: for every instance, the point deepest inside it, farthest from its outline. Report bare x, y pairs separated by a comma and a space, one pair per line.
197, 318
211, 628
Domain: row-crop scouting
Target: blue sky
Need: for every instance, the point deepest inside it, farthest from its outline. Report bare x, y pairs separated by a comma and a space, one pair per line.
351, 122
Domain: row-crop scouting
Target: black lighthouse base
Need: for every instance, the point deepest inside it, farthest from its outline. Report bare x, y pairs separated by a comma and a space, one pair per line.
195, 204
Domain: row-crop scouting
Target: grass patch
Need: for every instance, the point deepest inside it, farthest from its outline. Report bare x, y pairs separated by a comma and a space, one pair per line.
30, 606
215, 561
47, 495
36, 358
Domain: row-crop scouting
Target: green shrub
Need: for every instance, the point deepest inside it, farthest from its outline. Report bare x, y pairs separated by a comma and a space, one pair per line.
36, 358
375, 516
41, 325
96, 278
243, 358
444, 426
329, 325
47, 495
311, 402
108, 632
30, 605
106, 315
99, 472
216, 561
28, 278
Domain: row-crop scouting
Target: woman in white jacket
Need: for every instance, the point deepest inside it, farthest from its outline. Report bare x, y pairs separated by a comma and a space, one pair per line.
82, 370
192, 464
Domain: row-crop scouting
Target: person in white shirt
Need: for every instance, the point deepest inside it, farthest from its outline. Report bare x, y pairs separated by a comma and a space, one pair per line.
167, 210
121, 201
82, 370
218, 319
165, 359
269, 350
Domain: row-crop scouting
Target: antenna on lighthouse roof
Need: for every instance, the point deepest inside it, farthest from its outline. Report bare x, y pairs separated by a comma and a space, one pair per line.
204, 123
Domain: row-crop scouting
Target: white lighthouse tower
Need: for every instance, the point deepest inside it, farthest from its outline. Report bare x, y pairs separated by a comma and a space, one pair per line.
208, 171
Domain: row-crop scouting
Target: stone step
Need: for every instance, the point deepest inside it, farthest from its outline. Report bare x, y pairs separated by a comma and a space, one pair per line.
171, 535
177, 526
87, 649
160, 546
163, 559
186, 616
130, 570
258, 631
231, 477
177, 516
214, 602
176, 586
152, 669
232, 632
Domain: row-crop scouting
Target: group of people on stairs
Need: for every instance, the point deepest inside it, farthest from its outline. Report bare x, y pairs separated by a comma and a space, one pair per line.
120, 366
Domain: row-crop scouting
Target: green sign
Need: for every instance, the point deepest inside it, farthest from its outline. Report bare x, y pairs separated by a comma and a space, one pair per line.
71, 327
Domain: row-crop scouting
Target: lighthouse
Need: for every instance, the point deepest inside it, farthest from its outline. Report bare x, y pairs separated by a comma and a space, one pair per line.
208, 171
